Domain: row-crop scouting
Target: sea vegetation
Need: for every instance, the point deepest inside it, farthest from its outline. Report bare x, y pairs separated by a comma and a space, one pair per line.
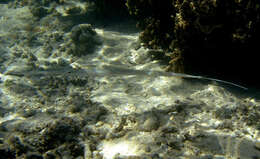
110, 9
211, 37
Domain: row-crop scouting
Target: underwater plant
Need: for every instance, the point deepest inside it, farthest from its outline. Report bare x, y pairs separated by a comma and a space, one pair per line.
110, 9
211, 37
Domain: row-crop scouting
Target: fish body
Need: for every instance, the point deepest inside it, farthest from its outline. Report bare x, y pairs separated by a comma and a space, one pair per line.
110, 70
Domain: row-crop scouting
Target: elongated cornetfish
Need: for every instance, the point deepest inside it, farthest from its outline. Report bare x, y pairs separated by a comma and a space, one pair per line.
111, 70
120, 70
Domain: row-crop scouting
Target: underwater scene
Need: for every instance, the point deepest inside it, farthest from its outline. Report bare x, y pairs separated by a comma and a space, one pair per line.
129, 79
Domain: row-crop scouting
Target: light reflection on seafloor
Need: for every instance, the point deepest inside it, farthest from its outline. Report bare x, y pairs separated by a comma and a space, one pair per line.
114, 102
110, 149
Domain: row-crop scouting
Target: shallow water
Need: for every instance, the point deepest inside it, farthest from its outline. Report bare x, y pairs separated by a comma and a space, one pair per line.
63, 98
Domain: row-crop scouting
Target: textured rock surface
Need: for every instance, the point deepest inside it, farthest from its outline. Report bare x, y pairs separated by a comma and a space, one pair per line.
213, 37
54, 104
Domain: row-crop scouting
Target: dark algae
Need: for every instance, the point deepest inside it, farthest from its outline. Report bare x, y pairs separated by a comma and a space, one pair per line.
216, 38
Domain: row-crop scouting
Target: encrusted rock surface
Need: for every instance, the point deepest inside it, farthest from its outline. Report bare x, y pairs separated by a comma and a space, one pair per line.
60, 104
213, 37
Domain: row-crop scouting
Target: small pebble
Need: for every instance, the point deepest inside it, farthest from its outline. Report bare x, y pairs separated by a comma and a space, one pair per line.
150, 124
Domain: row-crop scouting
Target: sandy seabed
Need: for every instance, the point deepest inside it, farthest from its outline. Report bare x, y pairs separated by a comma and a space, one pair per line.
73, 90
